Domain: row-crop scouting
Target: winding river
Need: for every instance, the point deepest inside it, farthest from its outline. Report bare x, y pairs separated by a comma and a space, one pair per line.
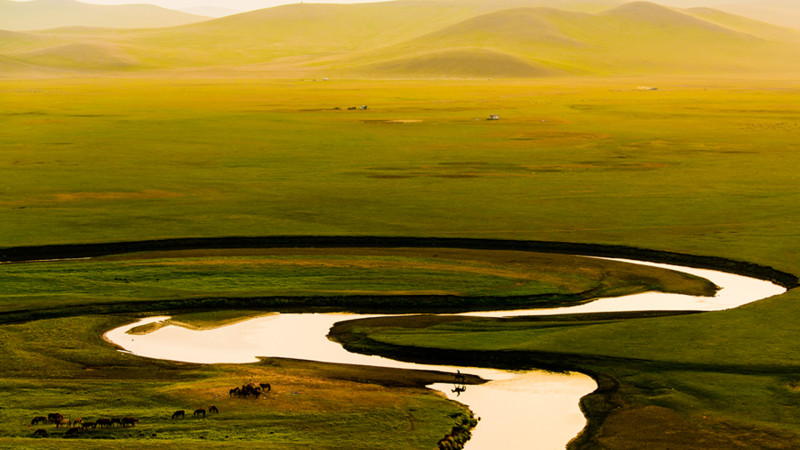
513, 406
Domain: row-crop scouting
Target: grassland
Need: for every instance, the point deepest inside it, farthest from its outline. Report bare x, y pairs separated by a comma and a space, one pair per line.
313, 404
422, 278
697, 167
701, 166
85, 377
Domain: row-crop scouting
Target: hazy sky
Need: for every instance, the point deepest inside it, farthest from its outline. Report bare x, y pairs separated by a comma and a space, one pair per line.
239, 5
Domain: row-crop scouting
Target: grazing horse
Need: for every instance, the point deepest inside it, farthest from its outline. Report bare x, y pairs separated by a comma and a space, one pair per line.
200, 412
38, 419
103, 423
54, 417
88, 425
77, 422
265, 387
213, 409
63, 423
179, 414
248, 390
129, 421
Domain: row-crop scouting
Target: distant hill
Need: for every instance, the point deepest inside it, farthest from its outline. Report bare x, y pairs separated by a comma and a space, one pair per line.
745, 25
461, 63
780, 13
428, 38
44, 14
86, 56
662, 18
637, 38
785, 13
210, 11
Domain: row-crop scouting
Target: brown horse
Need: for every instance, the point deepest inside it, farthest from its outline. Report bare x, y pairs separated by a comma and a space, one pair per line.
199, 412
250, 390
129, 421
63, 423
103, 423
179, 414
38, 419
213, 409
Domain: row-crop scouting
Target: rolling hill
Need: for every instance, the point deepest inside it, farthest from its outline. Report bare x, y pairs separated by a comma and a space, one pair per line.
462, 63
637, 38
746, 25
87, 56
429, 38
44, 14
785, 13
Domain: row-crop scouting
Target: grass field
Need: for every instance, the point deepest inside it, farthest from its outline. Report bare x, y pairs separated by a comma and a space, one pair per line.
260, 273
700, 166
697, 165
84, 377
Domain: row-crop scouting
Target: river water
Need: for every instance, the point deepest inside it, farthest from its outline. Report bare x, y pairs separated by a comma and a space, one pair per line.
518, 410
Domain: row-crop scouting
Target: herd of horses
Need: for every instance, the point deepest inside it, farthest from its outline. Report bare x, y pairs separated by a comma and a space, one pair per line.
250, 390
199, 412
60, 421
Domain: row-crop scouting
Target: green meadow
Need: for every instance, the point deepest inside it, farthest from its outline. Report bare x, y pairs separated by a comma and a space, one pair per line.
85, 377
699, 166
263, 275
703, 165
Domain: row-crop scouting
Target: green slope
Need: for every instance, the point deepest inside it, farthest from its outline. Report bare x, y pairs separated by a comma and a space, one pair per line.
462, 63
10, 40
89, 56
44, 14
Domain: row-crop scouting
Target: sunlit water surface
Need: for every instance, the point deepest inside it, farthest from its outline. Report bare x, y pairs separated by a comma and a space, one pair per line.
518, 410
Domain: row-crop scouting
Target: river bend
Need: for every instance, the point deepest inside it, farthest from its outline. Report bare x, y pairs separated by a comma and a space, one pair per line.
513, 406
